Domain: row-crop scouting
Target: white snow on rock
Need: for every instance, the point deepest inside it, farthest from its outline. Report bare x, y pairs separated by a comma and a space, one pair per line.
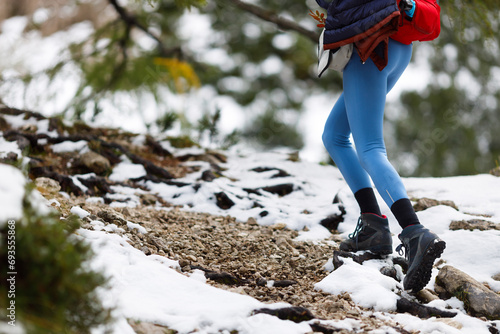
79, 212
69, 146
7, 146
127, 170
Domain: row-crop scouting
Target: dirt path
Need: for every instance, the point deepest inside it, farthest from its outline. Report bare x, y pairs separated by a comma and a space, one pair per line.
264, 262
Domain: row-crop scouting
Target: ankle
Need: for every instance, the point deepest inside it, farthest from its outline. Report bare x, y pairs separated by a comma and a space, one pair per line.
367, 201
404, 213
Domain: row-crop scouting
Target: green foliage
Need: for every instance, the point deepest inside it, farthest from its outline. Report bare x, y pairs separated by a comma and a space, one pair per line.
257, 61
55, 290
208, 128
209, 123
167, 121
179, 3
182, 142
481, 14
270, 131
450, 127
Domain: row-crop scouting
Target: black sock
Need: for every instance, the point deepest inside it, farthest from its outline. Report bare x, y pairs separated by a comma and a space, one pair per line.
367, 201
404, 213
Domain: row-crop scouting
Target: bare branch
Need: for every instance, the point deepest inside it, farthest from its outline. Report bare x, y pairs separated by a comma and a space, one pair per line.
281, 22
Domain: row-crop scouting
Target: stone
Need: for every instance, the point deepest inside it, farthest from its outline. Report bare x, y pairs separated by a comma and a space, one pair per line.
425, 203
495, 171
223, 201
450, 322
496, 277
296, 313
47, 186
478, 299
473, 224
426, 296
95, 162
389, 271
141, 327
404, 305
148, 199
332, 222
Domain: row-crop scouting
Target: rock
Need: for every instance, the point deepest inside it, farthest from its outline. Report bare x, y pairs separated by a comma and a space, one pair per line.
278, 226
141, 327
252, 221
473, 224
95, 162
295, 313
4, 125
22, 142
478, 300
47, 186
279, 189
283, 242
426, 296
451, 322
294, 156
390, 272
284, 283
112, 217
146, 250
332, 222
208, 176
280, 172
496, 277
402, 262
148, 199
495, 171
223, 201
359, 258
407, 306
10, 158
425, 203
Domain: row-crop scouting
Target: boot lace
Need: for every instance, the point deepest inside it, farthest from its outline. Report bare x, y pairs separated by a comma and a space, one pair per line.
359, 228
400, 251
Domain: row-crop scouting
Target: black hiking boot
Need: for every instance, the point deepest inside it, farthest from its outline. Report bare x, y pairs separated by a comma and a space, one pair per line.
371, 234
422, 247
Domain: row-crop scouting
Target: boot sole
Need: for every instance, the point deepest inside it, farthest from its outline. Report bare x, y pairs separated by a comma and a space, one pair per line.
419, 279
384, 250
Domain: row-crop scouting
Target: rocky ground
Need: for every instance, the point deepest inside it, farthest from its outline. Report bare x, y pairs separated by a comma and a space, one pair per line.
264, 262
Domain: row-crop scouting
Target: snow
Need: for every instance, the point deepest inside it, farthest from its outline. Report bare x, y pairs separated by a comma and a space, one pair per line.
127, 170
474, 252
12, 183
367, 286
150, 288
147, 288
6, 147
76, 210
69, 146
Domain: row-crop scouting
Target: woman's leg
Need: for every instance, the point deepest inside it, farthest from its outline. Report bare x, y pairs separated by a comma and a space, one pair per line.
365, 90
336, 138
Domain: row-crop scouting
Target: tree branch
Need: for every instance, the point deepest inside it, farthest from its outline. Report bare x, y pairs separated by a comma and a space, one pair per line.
131, 21
281, 22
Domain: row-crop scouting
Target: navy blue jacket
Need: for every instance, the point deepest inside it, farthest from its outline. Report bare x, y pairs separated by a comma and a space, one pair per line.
366, 23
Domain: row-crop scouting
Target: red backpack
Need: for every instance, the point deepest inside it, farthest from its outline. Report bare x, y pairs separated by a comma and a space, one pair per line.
424, 26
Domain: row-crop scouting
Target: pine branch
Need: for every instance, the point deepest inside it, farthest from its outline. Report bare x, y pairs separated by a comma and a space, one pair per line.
281, 22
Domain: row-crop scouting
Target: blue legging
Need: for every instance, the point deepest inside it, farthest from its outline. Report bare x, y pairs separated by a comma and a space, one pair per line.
360, 111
